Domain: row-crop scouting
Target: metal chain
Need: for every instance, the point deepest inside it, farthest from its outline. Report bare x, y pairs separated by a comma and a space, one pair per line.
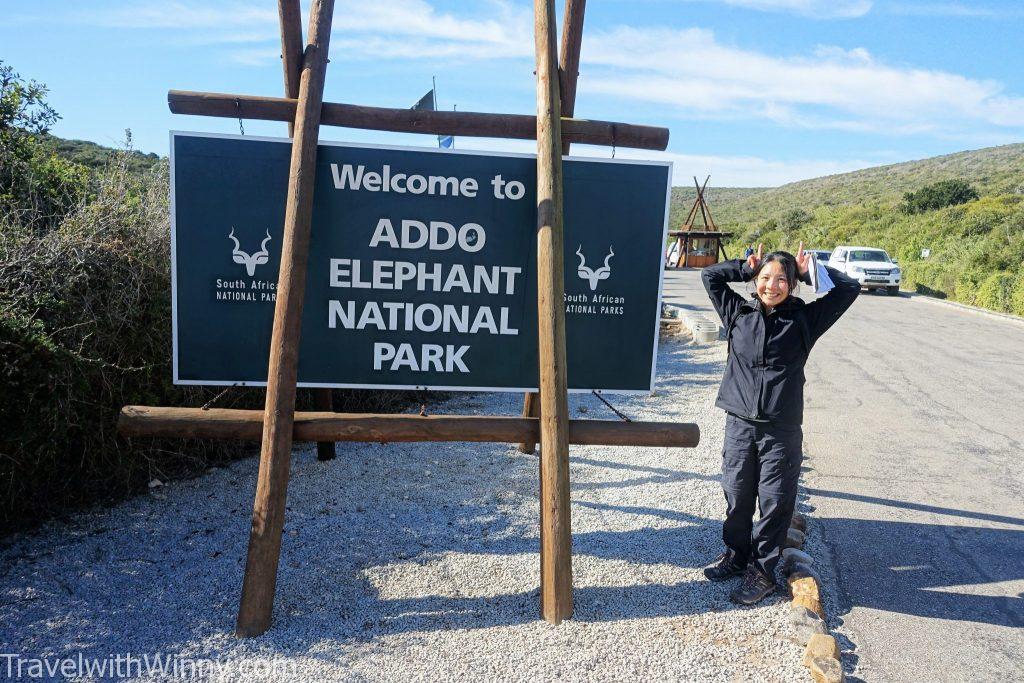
209, 404
613, 408
238, 107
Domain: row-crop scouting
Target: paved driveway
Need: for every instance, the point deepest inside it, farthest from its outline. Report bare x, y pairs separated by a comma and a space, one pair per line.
914, 436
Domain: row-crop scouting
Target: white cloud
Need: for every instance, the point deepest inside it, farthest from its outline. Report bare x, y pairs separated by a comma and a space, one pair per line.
745, 171
841, 9
945, 9
725, 170
181, 15
685, 74
690, 71
396, 29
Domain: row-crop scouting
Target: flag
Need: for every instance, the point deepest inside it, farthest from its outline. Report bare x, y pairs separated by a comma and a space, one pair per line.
426, 102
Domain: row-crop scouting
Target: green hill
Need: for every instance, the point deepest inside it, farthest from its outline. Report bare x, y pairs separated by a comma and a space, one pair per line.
95, 157
977, 248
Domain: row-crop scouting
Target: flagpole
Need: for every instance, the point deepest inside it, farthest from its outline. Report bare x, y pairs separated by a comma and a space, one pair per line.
433, 91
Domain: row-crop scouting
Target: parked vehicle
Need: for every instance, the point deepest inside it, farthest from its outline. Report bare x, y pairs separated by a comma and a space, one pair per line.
822, 255
870, 266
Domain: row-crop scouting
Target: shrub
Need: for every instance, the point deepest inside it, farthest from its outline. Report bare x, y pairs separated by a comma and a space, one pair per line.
937, 196
1017, 294
995, 292
794, 219
37, 187
85, 328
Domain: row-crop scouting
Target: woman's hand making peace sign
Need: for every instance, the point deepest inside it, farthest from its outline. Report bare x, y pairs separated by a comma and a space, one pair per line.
803, 261
754, 259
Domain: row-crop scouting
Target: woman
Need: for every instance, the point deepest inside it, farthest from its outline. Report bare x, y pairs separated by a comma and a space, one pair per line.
762, 393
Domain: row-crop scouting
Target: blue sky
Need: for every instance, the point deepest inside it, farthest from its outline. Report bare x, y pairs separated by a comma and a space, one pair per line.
755, 92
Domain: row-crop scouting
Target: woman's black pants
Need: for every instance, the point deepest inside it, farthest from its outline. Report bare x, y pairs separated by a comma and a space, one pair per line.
760, 461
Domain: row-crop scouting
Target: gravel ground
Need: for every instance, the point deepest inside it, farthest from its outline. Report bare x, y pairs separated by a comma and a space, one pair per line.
417, 562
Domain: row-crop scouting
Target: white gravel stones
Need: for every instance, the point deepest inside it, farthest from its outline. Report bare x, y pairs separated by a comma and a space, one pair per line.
388, 574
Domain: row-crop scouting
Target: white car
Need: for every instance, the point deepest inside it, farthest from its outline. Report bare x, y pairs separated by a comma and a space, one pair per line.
871, 267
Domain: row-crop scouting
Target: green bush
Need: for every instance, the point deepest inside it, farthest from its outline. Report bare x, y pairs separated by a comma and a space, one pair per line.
937, 196
85, 329
1017, 294
794, 219
37, 187
996, 291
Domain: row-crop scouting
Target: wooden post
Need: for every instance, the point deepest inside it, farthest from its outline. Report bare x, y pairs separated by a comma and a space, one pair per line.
291, 61
556, 541
323, 401
254, 613
569, 72
291, 49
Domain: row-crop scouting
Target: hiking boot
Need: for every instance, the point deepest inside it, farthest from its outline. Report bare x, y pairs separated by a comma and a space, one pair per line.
755, 587
725, 567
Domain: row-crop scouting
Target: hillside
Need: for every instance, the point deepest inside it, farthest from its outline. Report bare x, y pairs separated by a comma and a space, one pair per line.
976, 249
992, 171
683, 198
95, 157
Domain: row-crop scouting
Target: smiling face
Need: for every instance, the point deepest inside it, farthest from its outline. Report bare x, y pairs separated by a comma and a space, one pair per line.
772, 285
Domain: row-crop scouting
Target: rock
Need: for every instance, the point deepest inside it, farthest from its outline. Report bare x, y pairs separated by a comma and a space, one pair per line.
794, 539
805, 586
820, 646
805, 624
799, 522
809, 603
826, 670
800, 570
791, 556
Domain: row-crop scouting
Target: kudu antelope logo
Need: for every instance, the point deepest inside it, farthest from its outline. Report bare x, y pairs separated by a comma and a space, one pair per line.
250, 261
594, 276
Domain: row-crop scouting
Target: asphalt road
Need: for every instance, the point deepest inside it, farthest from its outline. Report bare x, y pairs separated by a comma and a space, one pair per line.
914, 441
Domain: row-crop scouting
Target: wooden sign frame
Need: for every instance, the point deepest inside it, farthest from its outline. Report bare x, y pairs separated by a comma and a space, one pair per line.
545, 415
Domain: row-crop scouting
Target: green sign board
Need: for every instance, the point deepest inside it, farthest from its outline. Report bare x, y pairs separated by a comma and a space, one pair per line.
422, 266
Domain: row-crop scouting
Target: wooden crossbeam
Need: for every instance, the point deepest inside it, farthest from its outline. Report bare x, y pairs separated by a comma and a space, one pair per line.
247, 425
463, 123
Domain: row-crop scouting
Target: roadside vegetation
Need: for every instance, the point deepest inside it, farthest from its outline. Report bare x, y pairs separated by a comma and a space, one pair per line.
85, 320
965, 209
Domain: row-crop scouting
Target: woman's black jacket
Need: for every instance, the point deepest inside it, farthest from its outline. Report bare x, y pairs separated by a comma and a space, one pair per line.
764, 374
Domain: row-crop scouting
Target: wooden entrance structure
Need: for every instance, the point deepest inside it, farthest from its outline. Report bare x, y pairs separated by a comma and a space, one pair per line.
695, 248
278, 424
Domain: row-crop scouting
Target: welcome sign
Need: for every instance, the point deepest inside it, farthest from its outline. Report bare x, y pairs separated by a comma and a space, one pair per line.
421, 266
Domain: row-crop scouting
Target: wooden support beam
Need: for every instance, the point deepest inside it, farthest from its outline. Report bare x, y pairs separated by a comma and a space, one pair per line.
531, 408
556, 533
568, 71
463, 123
247, 425
291, 62
323, 401
254, 612
291, 48
569, 61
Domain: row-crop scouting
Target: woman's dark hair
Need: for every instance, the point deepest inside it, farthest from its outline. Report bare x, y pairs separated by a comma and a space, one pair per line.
788, 263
